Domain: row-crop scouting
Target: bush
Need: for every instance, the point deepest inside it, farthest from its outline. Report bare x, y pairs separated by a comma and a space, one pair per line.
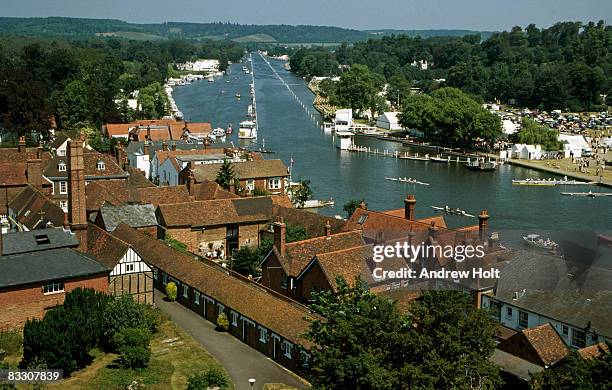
171, 291
122, 312
11, 342
153, 317
133, 347
222, 322
212, 378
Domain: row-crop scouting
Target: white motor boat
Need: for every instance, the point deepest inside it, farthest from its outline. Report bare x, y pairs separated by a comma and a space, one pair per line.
247, 130
218, 133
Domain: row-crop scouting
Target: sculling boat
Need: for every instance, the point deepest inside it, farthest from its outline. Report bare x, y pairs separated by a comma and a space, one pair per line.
407, 180
452, 211
588, 194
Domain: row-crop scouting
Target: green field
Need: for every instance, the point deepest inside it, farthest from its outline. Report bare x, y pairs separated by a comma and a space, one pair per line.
254, 38
137, 36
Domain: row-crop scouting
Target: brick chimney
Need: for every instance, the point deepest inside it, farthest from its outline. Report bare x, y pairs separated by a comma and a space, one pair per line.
34, 172
77, 211
173, 146
327, 230
409, 204
433, 230
121, 157
483, 224
279, 236
148, 137
191, 182
22, 145
164, 146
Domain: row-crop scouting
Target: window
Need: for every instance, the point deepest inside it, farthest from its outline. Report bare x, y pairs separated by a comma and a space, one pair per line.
53, 288
129, 267
63, 187
64, 205
196, 298
274, 183
578, 338
155, 273
263, 334
288, 347
234, 318
185, 291
61, 167
362, 219
523, 319
564, 330
101, 166
509, 312
250, 185
284, 283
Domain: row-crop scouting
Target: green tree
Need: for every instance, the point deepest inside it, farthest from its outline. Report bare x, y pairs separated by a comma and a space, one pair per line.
574, 372
295, 233
226, 176
301, 194
531, 133
153, 101
212, 378
132, 344
352, 205
356, 88
362, 341
222, 322
122, 312
72, 106
171, 291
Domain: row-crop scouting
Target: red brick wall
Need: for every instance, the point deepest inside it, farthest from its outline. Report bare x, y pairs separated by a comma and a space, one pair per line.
272, 275
21, 303
312, 279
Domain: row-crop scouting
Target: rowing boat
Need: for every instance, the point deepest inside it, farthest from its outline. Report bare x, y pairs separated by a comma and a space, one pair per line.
408, 180
588, 194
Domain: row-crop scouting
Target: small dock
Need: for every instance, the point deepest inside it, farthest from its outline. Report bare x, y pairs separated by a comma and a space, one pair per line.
410, 156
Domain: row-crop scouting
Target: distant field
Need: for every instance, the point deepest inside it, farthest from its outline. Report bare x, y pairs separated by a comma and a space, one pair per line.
137, 36
255, 38
211, 37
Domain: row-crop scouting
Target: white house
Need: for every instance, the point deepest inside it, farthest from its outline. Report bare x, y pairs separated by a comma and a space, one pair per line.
168, 171
525, 152
389, 121
343, 119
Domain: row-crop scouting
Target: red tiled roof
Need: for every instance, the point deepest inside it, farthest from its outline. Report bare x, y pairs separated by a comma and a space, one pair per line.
383, 227
281, 315
540, 345
594, 351
347, 263
33, 209
105, 247
253, 169
91, 159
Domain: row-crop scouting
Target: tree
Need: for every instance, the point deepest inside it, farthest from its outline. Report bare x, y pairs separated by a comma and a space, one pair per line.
171, 291
575, 372
352, 205
212, 378
531, 133
122, 312
132, 344
356, 88
226, 176
301, 194
72, 106
362, 341
153, 101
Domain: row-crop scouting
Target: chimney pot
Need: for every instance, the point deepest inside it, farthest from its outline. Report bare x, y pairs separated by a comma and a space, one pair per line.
164, 146
483, 224
22, 144
409, 204
327, 229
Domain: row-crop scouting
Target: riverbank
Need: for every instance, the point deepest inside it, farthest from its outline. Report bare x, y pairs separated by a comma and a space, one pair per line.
606, 179
320, 103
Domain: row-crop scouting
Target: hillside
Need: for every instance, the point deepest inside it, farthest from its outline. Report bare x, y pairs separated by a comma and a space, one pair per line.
78, 27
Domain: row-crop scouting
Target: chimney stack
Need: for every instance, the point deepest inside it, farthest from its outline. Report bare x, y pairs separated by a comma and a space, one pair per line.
327, 230
22, 145
433, 230
483, 224
77, 210
173, 146
145, 148
164, 146
121, 157
148, 133
34, 172
279, 237
409, 204
191, 182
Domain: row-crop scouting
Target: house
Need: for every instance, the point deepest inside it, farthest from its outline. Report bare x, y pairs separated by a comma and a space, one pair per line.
268, 175
421, 64
38, 269
157, 130
528, 352
60, 144
526, 152
343, 119
536, 288
282, 266
31, 209
97, 166
221, 224
389, 121
138, 216
129, 273
20, 167
264, 320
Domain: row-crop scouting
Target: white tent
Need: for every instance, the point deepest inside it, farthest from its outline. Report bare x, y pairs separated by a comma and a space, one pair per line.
389, 121
574, 145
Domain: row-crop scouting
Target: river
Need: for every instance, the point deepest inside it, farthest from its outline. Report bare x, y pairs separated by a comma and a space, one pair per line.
289, 125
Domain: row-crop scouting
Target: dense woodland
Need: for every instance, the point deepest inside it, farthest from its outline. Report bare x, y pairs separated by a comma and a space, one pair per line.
77, 82
567, 66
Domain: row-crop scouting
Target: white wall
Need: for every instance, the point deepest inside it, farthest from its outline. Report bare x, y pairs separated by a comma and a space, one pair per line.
130, 257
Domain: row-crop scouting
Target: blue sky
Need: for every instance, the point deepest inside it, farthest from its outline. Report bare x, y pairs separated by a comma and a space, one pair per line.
359, 14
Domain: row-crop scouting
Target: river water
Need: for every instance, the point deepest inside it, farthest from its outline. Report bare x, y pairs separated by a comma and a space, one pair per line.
291, 127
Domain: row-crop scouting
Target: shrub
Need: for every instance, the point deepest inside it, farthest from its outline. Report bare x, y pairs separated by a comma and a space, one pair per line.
171, 291
212, 378
122, 312
153, 317
11, 342
222, 322
133, 347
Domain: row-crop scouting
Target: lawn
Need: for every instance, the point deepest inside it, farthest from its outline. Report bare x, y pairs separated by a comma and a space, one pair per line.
172, 362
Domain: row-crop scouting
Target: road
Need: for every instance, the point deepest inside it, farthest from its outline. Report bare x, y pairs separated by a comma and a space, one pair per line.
241, 361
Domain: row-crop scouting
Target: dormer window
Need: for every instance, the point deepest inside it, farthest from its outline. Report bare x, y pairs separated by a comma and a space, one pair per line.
101, 166
61, 166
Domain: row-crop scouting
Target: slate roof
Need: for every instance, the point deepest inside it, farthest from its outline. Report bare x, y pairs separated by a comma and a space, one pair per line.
90, 158
298, 254
37, 240
34, 210
281, 315
163, 155
133, 215
216, 212
540, 345
47, 265
254, 169
514, 365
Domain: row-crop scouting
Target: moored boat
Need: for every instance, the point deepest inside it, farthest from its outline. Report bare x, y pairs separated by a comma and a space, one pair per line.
247, 130
537, 241
481, 165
